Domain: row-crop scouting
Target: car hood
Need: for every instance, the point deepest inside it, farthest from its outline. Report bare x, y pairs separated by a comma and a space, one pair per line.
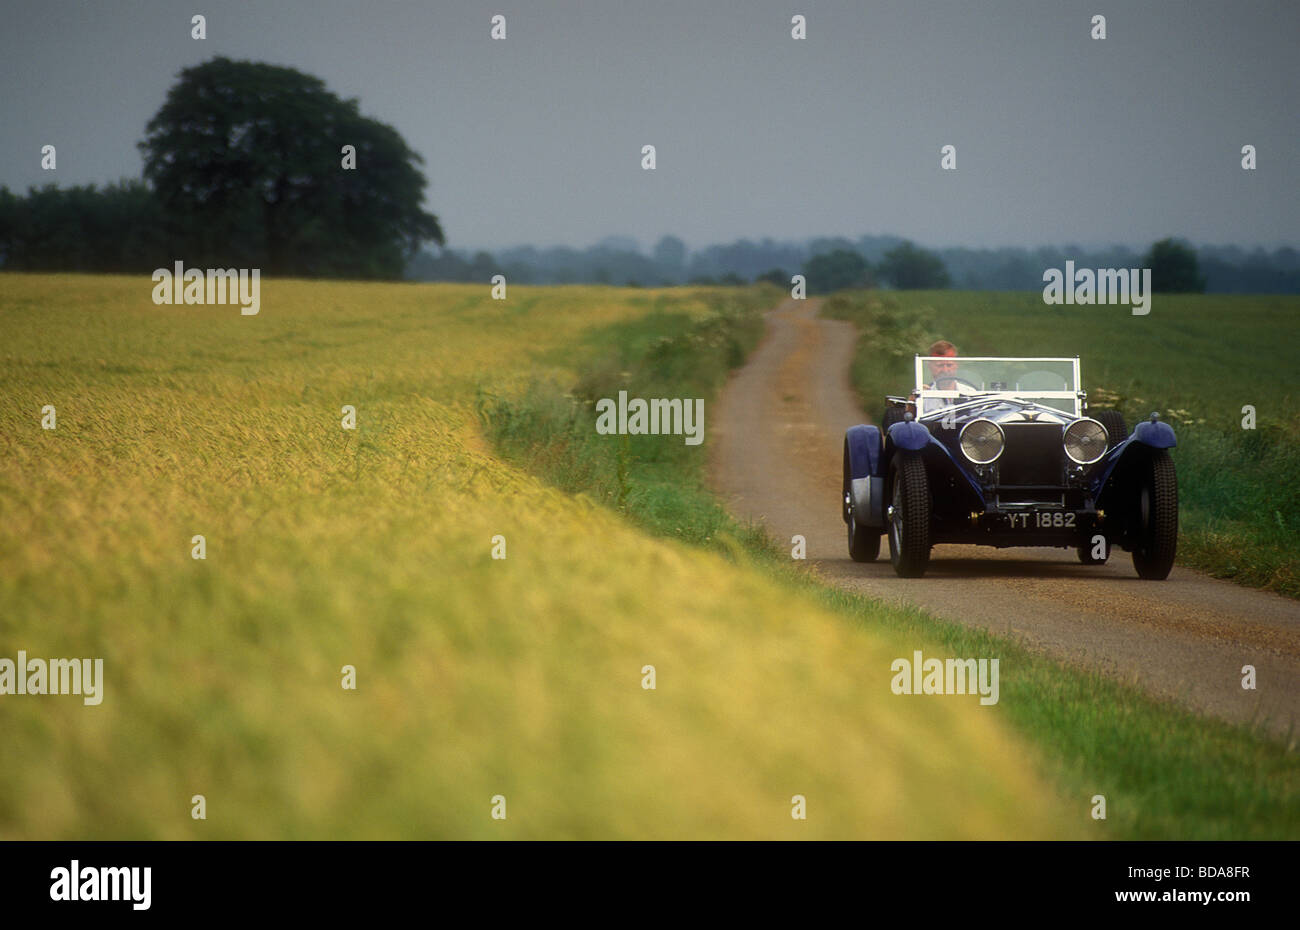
1003, 410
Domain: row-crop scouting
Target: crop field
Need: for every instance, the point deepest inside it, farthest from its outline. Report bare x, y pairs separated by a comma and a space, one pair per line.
1199, 360
511, 684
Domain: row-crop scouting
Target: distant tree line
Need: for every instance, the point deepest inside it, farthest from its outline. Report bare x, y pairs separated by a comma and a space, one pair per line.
258, 166
120, 227
246, 165
830, 264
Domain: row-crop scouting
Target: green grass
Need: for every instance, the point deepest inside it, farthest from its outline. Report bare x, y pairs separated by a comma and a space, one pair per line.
662, 354
1196, 359
1166, 773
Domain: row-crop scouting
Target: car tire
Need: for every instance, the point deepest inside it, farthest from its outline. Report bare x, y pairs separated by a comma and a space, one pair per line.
909, 518
1116, 429
1155, 517
892, 415
864, 541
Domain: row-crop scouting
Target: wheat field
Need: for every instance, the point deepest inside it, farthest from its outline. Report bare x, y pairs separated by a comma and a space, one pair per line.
325, 547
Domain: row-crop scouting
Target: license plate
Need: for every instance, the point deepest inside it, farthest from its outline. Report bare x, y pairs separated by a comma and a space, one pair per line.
1042, 520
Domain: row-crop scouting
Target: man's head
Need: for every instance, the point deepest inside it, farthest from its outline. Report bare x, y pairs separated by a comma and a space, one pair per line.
943, 370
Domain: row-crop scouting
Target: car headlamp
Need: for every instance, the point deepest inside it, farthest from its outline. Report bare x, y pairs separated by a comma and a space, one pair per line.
1085, 441
982, 441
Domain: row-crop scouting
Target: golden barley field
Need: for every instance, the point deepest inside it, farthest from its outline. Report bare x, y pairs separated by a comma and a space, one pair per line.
475, 677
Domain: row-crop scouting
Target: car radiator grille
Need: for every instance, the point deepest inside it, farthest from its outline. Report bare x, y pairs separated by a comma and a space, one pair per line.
1033, 454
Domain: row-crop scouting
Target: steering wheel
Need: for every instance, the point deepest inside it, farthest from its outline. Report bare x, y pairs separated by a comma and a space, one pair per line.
957, 384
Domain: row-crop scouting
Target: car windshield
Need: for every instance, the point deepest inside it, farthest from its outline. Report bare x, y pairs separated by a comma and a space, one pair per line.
943, 380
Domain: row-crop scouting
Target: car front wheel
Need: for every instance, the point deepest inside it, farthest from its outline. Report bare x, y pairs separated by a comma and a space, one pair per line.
909, 517
1156, 517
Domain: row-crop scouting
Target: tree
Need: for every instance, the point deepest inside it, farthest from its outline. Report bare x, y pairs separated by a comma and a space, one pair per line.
775, 276
670, 255
907, 267
247, 160
482, 267
834, 271
10, 208
1174, 269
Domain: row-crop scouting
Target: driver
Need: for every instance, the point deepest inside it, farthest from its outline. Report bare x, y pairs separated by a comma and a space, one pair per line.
942, 372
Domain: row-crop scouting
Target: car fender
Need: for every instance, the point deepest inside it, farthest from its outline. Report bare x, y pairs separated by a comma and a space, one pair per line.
910, 435
1155, 433
862, 465
1148, 435
862, 450
1110, 487
936, 456
1101, 478
936, 449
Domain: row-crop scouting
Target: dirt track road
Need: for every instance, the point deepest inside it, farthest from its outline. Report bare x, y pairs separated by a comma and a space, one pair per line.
776, 457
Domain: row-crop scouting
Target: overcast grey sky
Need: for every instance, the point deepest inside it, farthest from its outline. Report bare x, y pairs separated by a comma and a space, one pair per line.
537, 139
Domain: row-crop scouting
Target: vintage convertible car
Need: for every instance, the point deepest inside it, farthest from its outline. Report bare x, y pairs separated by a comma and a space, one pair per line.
1001, 452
